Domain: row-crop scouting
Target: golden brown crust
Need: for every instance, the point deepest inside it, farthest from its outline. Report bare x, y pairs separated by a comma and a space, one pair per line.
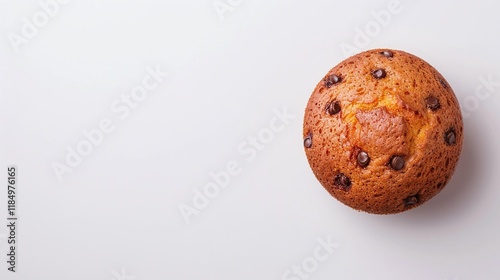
401, 113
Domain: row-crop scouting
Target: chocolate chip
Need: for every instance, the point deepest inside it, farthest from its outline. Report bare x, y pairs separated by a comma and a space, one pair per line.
342, 182
443, 83
397, 162
363, 159
432, 103
450, 137
308, 141
411, 200
333, 108
386, 53
379, 74
332, 80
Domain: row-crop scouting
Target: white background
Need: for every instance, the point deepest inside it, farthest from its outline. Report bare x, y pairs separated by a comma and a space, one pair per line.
116, 215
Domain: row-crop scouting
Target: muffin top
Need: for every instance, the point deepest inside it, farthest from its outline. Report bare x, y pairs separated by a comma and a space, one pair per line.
383, 131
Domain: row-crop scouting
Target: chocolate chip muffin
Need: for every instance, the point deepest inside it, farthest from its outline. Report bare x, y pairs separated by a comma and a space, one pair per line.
383, 131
